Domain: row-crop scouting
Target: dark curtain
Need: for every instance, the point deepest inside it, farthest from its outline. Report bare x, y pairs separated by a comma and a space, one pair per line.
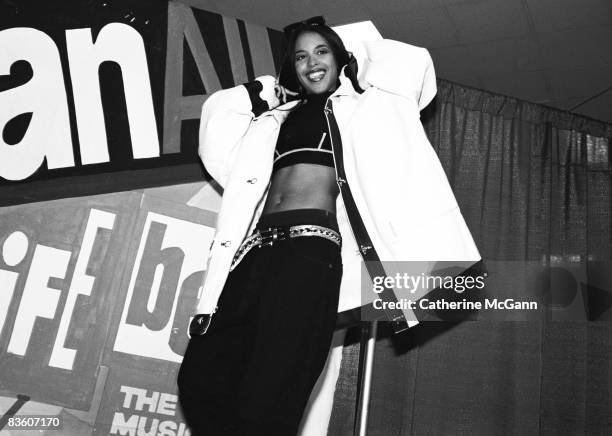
533, 183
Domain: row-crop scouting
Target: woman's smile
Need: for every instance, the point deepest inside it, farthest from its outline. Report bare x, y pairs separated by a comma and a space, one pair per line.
316, 75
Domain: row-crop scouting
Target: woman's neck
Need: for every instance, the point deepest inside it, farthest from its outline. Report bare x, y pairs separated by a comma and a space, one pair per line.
319, 97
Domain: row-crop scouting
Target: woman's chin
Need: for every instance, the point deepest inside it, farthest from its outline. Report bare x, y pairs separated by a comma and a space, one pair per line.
319, 88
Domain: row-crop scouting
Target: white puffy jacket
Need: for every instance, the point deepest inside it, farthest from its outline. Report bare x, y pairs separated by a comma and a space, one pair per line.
397, 181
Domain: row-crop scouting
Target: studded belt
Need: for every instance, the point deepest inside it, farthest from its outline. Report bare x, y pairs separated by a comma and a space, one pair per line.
263, 237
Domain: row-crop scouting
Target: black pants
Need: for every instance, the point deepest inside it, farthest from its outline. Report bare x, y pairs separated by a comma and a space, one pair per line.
253, 371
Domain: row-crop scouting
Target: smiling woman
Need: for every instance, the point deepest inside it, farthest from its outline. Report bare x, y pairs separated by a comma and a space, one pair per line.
284, 149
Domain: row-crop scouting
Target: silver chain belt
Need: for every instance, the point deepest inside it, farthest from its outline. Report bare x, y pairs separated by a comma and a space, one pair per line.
270, 235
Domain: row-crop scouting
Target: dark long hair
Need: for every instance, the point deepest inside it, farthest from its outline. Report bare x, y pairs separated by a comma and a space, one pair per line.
287, 75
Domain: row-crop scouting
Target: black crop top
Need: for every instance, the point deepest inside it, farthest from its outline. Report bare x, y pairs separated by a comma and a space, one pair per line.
303, 137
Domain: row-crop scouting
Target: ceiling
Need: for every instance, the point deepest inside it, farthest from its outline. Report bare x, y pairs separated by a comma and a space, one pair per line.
553, 52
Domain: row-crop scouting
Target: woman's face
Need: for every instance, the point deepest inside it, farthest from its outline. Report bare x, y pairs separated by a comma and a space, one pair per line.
315, 65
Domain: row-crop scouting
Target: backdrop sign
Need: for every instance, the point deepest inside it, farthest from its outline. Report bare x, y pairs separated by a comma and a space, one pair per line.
95, 87
97, 294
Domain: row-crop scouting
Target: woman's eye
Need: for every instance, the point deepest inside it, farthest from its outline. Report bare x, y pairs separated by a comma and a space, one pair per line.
299, 57
322, 52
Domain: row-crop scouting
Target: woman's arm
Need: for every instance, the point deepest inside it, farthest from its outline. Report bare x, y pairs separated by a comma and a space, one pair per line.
226, 117
401, 69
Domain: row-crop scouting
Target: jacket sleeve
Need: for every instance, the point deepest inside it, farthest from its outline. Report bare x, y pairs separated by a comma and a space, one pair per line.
226, 118
401, 69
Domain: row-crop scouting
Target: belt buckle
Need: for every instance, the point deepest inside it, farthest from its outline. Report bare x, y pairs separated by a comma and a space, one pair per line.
271, 235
